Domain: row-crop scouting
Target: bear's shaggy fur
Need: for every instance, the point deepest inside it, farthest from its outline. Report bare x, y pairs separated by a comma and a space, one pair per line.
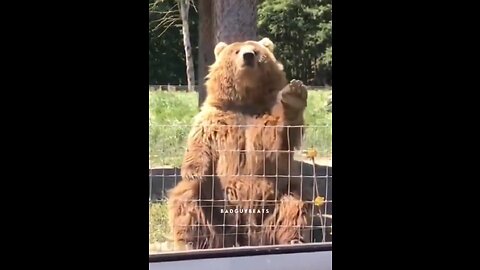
242, 141
278, 219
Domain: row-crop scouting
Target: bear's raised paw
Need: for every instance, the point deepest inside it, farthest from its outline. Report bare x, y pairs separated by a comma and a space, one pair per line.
295, 94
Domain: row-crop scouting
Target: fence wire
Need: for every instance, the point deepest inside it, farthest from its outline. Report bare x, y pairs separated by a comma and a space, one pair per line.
255, 218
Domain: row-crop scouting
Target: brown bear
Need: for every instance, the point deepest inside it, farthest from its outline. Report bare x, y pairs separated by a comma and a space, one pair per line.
245, 132
276, 219
286, 225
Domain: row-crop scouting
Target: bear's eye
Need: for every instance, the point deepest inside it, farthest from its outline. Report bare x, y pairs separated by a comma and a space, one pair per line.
237, 51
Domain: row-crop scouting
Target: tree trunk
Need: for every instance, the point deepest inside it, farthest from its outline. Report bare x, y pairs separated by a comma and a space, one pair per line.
222, 20
205, 45
184, 6
235, 20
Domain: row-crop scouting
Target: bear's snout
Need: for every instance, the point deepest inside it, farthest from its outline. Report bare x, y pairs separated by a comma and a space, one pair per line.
249, 58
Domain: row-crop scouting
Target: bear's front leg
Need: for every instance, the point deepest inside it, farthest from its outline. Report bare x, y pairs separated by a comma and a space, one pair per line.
198, 159
273, 138
289, 108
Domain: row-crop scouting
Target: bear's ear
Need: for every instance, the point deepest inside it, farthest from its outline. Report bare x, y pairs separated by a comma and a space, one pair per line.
220, 46
267, 43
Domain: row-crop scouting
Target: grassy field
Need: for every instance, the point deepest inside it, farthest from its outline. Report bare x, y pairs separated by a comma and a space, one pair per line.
158, 223
171, 114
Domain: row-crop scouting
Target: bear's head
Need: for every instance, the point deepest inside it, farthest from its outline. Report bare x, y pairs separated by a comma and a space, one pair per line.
244, 73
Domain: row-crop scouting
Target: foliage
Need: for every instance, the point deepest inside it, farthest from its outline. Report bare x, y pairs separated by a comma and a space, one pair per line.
301, 30
166, 51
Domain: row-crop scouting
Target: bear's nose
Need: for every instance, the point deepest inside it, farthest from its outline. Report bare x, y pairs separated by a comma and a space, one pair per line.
249, 58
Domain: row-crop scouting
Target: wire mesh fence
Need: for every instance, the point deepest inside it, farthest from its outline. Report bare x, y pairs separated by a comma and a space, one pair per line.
249, 197
182, 87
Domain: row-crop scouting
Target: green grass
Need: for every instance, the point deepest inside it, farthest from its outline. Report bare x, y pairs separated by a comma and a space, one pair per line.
318, 133
171, 114
158, 223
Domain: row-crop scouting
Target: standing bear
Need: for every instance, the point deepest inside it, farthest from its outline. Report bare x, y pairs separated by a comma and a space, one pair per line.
239, 155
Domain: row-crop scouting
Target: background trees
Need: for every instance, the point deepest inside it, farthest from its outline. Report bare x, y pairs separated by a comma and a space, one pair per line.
301, 30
